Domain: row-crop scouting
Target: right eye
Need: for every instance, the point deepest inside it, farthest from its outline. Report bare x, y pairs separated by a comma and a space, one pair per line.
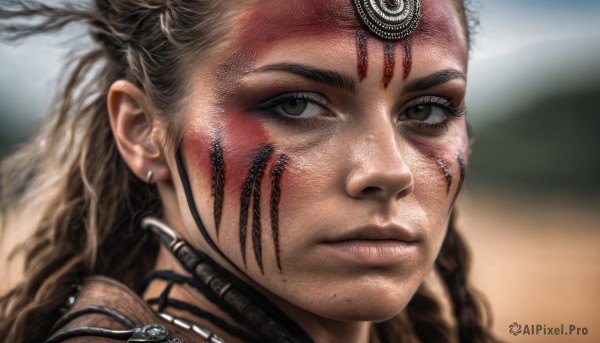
293, 107
296, 106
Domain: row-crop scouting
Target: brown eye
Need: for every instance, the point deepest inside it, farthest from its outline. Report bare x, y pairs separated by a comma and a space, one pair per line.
428, 113
294, 107
421, 112
298, 106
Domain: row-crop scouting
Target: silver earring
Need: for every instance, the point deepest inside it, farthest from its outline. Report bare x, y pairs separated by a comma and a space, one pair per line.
149, 175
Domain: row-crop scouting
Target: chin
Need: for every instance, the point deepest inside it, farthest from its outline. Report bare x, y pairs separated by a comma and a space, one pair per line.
373, 311
367, 304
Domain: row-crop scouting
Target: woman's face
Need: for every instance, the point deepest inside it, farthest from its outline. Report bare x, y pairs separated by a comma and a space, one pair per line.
323, 160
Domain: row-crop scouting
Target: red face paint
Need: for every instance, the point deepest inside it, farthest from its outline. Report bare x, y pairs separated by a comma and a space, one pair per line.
268, 22
407, 61
362, 54
196, 145
242, 135
389, 63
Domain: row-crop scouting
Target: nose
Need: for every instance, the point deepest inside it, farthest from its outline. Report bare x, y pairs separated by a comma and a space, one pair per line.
379, 169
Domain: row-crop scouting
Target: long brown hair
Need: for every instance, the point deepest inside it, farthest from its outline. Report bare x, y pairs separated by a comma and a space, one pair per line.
84, 204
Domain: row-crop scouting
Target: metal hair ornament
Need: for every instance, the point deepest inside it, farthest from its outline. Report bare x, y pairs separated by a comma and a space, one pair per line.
390, 19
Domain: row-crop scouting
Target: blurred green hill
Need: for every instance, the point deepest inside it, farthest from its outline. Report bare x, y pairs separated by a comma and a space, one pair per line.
550, 144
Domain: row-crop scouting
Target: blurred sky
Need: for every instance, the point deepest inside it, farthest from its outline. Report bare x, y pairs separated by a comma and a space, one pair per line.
523, 48
529, 47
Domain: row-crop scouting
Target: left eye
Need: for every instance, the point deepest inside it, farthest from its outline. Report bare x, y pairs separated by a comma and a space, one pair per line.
297, 108
293, 107
428, 113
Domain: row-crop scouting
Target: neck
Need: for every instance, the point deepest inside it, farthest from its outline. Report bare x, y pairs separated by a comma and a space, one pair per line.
318, 328
188, 294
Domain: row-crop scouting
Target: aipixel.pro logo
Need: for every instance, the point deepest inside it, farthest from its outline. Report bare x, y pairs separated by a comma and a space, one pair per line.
516, 329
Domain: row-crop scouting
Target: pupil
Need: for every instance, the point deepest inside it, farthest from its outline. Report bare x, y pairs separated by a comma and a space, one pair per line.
294, 107
419, 112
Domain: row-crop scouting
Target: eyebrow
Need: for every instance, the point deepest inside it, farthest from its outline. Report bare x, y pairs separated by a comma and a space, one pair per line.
324, 76
433, 80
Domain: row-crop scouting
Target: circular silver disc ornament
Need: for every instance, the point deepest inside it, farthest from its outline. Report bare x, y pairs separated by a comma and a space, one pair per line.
390, 19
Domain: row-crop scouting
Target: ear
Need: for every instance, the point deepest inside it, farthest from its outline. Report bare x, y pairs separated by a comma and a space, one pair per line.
138, 132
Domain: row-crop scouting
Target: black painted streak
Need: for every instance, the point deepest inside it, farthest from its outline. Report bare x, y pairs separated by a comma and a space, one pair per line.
246, 192
249, 187
192, 206
463, 173
447, 174
256, 227
276, 174
218, 180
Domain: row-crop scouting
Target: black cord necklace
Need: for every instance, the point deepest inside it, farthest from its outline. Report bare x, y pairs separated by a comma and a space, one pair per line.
227, 289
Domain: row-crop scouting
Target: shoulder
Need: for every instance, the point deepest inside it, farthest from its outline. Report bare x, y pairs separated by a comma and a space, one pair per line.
105, 310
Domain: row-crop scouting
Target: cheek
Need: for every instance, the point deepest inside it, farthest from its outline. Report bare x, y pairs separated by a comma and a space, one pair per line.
445, 147
437, 168
242, 136
196, 146
309, 185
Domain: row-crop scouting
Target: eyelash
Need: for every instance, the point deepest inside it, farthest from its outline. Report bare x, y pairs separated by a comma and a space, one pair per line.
447, 104
268, 107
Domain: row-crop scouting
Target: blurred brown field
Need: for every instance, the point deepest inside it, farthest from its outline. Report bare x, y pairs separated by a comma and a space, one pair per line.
536, 258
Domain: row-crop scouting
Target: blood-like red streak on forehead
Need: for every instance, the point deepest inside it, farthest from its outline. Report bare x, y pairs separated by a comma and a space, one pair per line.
407, 61
264, 23
362, 54
389, 63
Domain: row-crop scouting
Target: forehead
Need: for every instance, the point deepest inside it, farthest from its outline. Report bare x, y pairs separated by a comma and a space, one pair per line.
325, 32
271, 20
